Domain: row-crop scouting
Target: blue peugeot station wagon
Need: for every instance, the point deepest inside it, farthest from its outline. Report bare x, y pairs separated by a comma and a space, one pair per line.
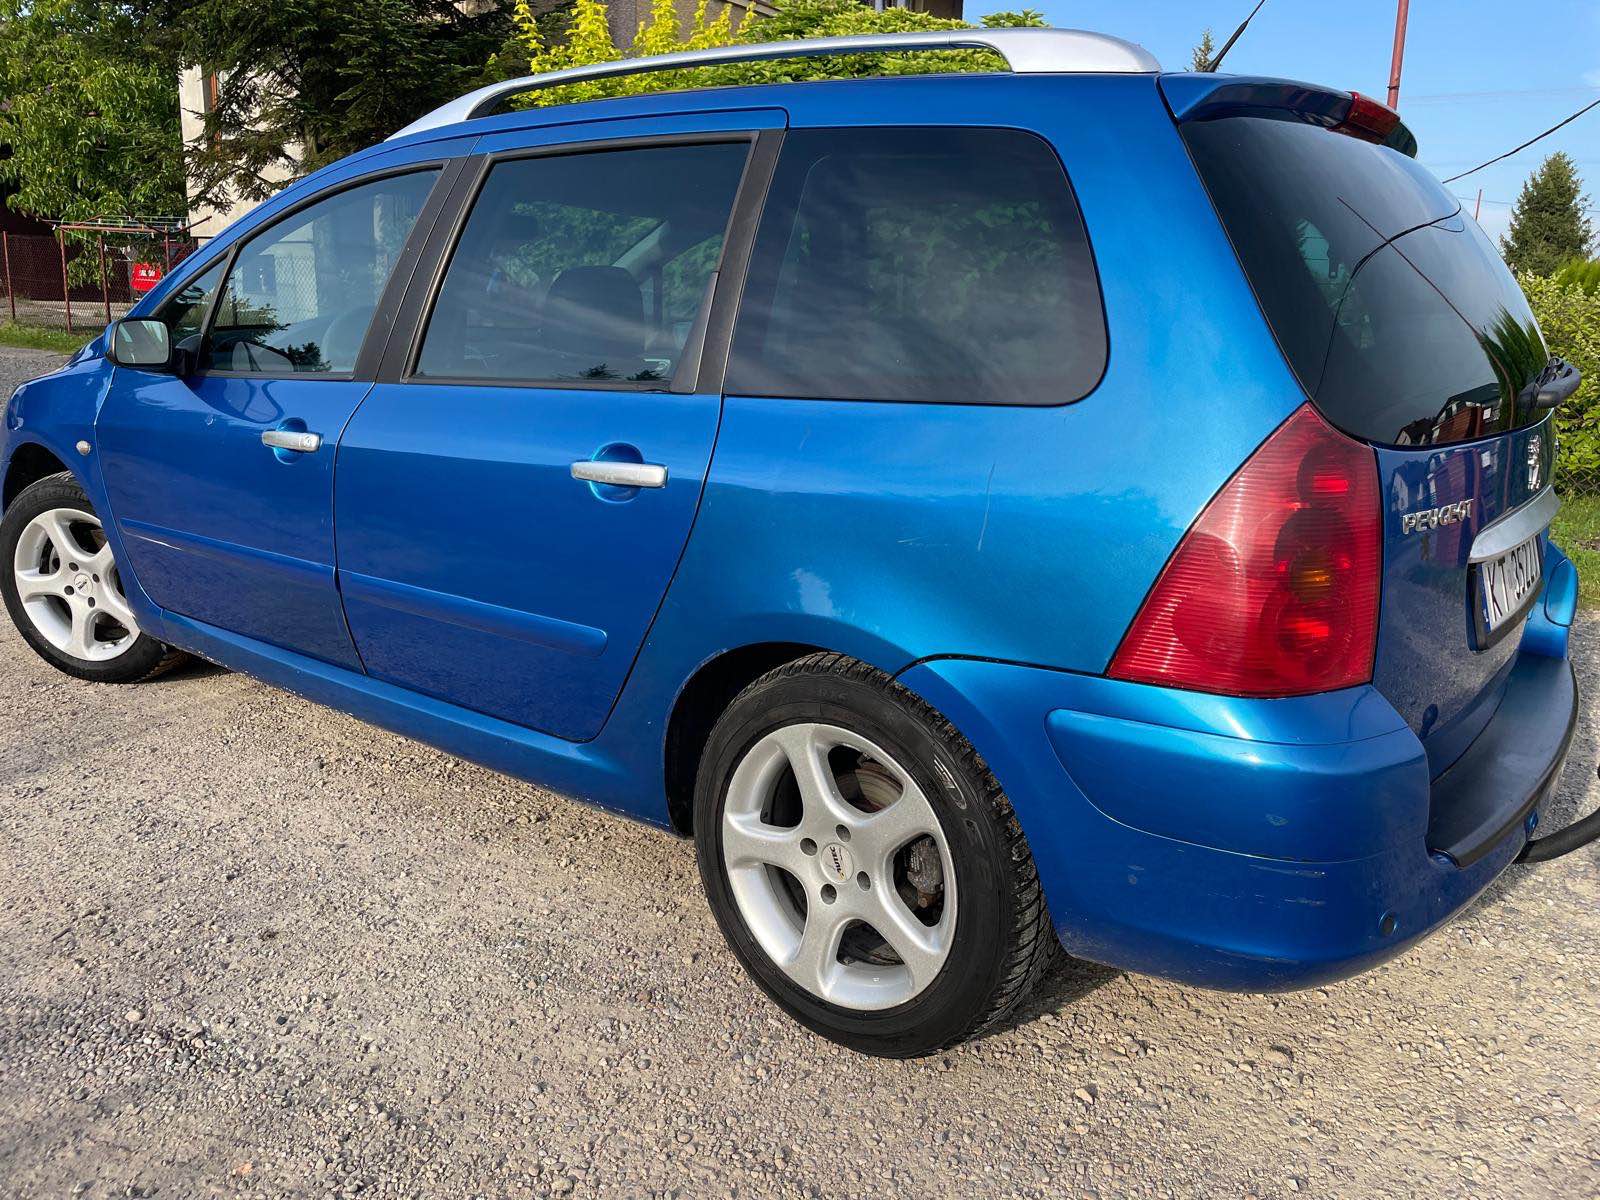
1072, 504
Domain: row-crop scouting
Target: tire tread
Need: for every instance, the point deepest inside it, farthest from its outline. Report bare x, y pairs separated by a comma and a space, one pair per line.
1032, 940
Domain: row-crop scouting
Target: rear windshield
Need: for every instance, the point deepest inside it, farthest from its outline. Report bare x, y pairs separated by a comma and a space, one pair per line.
1395, 311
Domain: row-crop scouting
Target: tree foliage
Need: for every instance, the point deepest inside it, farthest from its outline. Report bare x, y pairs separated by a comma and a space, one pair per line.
1549, 226
589, 41
89, 114
1200, 58
1581, 273
1569, 317
304, 82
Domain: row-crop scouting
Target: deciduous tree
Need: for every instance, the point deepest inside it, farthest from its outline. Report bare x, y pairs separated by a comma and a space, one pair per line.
304, 82
89, 114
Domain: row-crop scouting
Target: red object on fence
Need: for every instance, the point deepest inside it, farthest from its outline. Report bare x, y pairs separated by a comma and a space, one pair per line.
145, 276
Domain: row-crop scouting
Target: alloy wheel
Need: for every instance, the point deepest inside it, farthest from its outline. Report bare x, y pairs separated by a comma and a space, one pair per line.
69, 586
839, 867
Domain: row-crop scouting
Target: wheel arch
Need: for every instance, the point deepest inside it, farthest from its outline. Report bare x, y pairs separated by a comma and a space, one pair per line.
698, 705
30, 462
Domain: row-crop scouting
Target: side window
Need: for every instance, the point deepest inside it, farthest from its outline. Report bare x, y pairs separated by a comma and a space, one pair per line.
301, 294
936, 265
185, 310
584, 267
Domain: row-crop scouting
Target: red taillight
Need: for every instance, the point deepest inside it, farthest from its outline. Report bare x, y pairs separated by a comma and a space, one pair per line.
1368, 120
1274, 589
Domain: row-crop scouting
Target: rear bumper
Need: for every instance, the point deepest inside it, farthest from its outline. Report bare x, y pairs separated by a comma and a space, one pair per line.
1253, 845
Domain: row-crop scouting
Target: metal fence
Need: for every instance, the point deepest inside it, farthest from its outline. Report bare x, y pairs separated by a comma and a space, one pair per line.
80, 283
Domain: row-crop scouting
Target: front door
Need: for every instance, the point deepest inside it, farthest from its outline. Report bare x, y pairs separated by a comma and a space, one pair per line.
221, 481
513, 500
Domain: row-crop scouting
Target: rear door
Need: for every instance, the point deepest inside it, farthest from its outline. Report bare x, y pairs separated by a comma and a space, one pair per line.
1407, 331
514, 495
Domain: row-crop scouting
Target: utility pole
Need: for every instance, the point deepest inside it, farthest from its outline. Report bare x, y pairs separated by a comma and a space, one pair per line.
1395, 64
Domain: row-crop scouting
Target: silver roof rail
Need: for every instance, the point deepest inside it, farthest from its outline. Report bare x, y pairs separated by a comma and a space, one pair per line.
1026, 51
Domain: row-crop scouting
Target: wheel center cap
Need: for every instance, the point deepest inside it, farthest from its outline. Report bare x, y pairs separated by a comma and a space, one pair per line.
836, 862
81, 583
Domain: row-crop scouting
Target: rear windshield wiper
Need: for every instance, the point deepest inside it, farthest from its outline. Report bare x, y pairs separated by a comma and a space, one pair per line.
1555, 385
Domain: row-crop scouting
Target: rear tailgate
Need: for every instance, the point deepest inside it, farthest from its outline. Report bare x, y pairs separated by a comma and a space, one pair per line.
1407, 331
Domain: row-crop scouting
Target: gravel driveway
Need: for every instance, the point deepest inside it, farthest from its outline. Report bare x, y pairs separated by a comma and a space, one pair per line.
250, 947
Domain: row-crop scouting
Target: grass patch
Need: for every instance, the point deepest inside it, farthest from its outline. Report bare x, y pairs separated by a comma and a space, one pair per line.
37, 337
1576, 530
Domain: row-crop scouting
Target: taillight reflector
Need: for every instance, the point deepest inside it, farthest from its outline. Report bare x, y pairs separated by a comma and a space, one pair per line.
1274, 589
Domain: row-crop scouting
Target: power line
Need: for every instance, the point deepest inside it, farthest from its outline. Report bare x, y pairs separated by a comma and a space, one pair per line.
1513, 203
1434, 97
1518, 149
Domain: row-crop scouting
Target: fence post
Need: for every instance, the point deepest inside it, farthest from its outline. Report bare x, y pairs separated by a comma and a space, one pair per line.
11, 291
166, 253
105, 280
66, 288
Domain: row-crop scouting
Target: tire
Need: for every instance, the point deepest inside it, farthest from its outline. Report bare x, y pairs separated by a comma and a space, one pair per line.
800, 878
75, 617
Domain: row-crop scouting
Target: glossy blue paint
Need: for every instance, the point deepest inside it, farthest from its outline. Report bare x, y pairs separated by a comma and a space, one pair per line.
1550, 624
217, 526
1175, 866
507, 530
991, 558
1427, 662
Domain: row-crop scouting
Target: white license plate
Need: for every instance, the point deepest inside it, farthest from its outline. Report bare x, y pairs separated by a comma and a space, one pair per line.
1508, 581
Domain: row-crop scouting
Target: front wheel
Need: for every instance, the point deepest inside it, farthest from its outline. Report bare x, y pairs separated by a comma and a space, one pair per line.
863, 863
64, 591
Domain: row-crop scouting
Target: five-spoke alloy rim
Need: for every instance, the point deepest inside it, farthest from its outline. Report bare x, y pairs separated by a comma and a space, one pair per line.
69, 586
839, 867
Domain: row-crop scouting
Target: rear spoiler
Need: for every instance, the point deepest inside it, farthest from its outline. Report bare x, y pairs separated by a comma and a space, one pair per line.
1207, 97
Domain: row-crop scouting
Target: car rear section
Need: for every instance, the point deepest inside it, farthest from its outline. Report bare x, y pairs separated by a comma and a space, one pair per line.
1340, 707
1411, 337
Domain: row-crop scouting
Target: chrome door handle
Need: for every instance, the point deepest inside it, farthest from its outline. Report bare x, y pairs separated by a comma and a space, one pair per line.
288, 439
621, 474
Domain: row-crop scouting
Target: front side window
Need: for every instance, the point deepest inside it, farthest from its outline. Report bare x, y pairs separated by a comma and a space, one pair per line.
935, 265
301, 295
587, 267
184, 312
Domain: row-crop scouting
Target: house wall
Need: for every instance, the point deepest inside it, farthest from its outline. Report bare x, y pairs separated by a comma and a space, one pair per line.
194, 101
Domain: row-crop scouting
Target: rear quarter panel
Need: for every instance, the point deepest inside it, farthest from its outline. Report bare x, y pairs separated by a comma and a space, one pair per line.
896, 532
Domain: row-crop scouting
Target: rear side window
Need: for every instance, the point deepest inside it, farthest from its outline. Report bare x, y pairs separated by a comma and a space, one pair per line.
1396, 313
584, 268
937, 265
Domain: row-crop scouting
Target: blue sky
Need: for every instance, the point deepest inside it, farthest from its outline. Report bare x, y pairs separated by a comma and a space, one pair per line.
1480, 76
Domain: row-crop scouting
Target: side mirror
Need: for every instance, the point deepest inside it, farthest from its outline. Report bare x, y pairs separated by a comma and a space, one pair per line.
144, 344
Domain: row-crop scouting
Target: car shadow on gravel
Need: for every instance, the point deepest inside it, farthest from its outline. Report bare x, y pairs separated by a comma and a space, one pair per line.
1066, 981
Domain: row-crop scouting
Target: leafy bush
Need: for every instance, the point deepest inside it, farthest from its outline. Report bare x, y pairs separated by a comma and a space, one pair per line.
1570, 318
589, 41
1582, 274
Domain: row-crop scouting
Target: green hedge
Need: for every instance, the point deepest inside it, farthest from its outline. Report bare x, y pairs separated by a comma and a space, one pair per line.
1570, 318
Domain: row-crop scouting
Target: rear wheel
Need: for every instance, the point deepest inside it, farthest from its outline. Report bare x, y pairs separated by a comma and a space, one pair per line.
64, 591
863, 863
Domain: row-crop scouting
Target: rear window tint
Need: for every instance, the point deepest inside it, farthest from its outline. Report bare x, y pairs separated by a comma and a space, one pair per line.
936, 265
1396, 313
